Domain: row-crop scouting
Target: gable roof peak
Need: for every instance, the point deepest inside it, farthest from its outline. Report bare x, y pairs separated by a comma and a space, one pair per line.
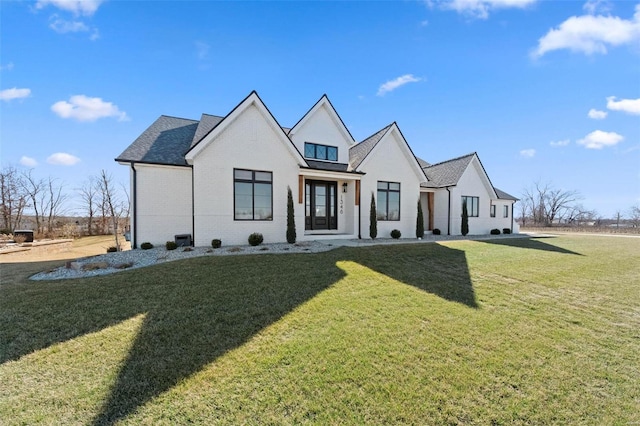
324, 100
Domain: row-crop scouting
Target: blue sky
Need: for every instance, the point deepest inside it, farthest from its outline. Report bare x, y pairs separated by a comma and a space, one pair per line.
542, 90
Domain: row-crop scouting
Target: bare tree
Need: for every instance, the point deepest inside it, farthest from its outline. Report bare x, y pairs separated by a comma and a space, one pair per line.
618, 216
55, 200
558, 202
12, 197
34, 188
579, 215
89, 196
111, 203
545, 204
634, 216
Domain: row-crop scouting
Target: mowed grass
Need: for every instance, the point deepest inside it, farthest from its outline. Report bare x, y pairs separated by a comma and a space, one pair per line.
513, 331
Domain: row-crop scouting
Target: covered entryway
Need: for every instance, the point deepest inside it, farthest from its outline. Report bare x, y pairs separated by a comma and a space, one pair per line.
321, 205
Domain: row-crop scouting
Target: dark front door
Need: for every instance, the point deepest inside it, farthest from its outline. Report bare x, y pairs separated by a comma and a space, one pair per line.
321, 203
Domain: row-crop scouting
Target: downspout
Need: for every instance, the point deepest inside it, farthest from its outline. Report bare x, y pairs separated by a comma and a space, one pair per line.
134, 236
360, 213
449, 212
512, 210
193, 210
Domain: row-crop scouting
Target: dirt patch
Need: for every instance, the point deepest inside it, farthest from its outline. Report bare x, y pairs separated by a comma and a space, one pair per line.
16, 268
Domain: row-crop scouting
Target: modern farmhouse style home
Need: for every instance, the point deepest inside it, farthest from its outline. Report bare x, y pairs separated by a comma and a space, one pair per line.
227, 177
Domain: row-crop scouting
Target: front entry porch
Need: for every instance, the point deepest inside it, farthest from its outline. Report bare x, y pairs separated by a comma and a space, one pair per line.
331, 203
321, 205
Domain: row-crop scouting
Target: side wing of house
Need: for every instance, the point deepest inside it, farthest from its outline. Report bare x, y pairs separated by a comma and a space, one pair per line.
160, 181
475, 188
241, 171
393, 176
163, 203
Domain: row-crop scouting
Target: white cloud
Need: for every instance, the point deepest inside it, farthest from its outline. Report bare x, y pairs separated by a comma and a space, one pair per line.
563, 142
590, 34
7, 67
62, 159
480, 9
28, 161
528, 153
77, 7
599, 139
83, 108
596, 114
15, 93
392, 85
62, 26
630, 106
597, 6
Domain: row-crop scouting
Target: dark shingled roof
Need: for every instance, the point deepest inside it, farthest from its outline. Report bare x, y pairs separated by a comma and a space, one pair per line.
207, 122
503, 195
359, 152
164, 142
422, 163
448, 173
323, 165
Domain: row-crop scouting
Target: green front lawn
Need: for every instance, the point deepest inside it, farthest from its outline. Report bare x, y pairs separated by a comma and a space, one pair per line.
513, 331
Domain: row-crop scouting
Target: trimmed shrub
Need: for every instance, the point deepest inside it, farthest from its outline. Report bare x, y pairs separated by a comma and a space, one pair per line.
464, 226
436, 231
291, 222
171, 245
420, 222
373, 219
495, 231
216, 243
112, 249
506, 230
146, 246
255, 239
395, 234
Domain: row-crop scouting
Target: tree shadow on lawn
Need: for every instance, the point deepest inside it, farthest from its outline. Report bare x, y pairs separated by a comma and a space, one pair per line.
533, 243
197, 310
434, 268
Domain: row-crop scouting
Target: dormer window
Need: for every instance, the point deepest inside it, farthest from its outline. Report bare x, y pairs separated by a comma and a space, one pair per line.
320, 152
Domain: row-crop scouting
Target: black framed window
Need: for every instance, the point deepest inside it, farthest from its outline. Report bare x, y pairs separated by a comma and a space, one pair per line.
320, 152
388, 206
473, 204
252, 195
505, 211
492, 210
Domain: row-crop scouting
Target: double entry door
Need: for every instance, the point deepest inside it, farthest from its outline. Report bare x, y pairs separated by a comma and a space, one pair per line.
321, 203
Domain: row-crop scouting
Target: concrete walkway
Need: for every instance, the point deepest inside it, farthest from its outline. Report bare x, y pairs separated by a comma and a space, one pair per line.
366, 242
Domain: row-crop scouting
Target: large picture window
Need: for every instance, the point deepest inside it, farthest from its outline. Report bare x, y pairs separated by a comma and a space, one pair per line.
253, 195
388, 206
473, 204
320, 152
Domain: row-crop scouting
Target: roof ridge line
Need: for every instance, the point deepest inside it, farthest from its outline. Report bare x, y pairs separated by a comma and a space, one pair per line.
179, 118
452, 159
372, 135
